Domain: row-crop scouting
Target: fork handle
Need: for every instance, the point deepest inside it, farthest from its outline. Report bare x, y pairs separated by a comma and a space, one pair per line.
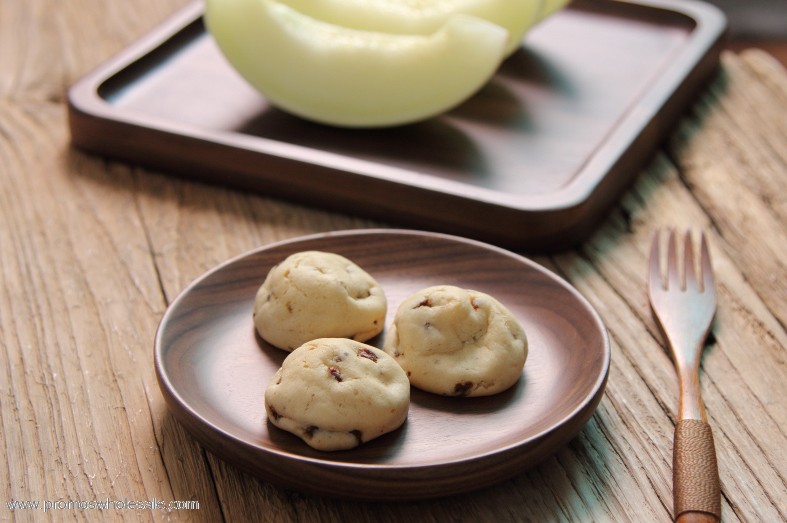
696, 490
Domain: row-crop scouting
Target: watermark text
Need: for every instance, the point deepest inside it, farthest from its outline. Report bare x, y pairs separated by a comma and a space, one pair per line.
103, 504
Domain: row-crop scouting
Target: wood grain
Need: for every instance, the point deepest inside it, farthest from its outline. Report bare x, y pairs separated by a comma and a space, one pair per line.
92, 252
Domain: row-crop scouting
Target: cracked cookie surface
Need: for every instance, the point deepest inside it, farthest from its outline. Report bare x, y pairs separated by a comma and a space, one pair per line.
457, 342
314, 294
336, 393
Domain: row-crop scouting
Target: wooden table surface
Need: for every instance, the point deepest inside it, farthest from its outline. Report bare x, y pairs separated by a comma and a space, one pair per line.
93, 251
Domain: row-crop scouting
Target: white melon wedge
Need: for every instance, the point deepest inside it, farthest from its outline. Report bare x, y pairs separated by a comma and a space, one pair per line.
346, 77
424, 16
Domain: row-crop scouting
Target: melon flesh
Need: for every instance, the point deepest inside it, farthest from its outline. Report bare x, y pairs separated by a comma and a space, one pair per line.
424, 16
348, 77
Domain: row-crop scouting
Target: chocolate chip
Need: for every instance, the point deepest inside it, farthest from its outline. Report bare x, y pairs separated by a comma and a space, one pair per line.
310, 430
369, 355
358, 435
462, 389
333, 371
423, 303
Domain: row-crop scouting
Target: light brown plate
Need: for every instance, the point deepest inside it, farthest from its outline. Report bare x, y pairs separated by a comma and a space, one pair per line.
213, 370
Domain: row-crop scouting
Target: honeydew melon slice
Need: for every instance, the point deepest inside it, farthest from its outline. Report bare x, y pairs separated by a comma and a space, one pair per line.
423, 16
347, 77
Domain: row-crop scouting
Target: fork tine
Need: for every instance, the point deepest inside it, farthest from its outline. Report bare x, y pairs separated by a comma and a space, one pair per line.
654, 267
706, 269
673, 277
689, 273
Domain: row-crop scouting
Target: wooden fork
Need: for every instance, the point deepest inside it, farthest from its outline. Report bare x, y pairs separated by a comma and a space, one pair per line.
684, 306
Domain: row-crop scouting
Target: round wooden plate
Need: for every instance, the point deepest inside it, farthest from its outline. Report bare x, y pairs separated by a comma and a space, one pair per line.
213, 370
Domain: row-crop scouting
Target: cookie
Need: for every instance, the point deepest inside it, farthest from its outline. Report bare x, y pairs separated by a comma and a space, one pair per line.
336, 393
457, 342
315, 294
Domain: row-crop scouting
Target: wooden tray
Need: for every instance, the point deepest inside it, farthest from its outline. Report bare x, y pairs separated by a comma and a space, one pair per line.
533, 161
